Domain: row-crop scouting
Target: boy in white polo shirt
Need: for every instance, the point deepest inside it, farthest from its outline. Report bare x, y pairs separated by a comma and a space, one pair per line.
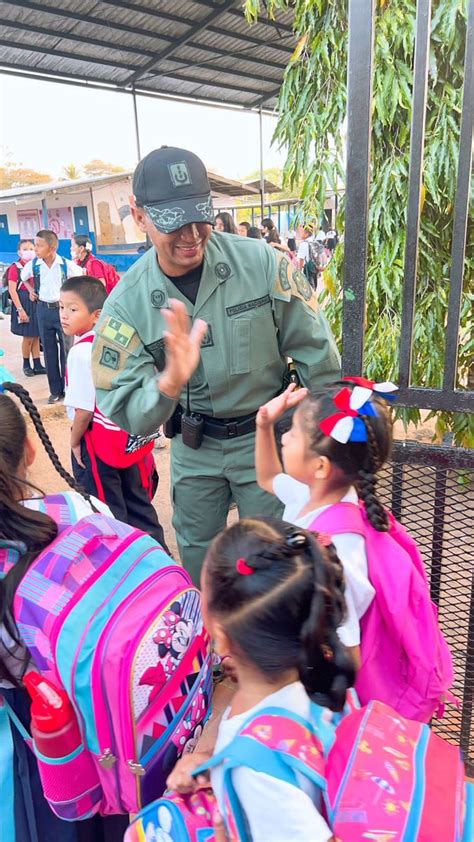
49, 271
116, 467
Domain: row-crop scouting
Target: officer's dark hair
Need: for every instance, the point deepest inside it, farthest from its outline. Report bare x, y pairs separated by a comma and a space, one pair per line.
31, 531
228, 222
82, 240
254, 233
49, 237
357, 462
286, 612
90, 290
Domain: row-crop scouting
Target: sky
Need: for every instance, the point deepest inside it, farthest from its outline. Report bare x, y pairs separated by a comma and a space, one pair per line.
45, 126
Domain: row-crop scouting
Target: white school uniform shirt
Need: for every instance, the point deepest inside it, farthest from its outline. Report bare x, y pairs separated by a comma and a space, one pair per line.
350, 548
80, 389
275, 810
51, 277
303, 250
12, 654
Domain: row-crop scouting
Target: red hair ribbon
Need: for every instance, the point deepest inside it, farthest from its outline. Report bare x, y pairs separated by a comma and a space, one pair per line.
243, 568
342, 425
384, 389
324, 539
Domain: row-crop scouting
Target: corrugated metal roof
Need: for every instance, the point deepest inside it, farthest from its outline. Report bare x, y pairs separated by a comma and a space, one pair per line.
200, 49
219, 185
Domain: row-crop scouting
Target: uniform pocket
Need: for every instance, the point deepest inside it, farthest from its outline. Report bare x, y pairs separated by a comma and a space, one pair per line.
254, 343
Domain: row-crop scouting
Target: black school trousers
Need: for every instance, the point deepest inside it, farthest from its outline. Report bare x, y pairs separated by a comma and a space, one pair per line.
128, 492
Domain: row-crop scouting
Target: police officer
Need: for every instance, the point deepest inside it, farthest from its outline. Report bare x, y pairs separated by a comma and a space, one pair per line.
258, 309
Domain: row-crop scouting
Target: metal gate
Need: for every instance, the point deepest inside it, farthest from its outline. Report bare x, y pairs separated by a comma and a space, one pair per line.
425, 486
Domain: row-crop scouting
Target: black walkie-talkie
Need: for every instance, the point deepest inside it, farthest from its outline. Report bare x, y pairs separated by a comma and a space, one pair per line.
192, 425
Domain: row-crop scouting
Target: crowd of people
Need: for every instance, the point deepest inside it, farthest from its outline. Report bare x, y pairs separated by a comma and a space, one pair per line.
315, 590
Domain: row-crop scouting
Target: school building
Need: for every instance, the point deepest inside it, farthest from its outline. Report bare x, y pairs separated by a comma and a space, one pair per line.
98, 207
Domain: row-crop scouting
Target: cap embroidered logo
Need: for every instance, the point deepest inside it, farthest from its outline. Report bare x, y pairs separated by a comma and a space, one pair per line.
179, 174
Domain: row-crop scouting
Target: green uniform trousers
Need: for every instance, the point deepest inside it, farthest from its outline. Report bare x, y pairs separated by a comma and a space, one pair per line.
204, 483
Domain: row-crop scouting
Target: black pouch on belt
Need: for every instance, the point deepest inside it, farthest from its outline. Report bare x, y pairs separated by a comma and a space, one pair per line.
192, 426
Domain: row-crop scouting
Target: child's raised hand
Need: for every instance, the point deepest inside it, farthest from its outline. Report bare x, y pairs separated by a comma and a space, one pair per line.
271, 411
183, 348
181, 779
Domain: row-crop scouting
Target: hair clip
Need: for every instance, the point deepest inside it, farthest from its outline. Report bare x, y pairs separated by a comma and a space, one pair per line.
323, 538
296, 540
243, 568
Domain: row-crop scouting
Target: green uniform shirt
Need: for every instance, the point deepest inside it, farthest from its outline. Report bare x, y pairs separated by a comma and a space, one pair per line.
259, 309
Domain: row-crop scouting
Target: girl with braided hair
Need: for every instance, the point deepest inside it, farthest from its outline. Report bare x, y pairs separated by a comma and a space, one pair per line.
29, 522
273, 599
331, 454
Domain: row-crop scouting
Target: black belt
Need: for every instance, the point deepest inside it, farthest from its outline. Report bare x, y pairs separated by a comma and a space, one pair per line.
51, 305
220, 428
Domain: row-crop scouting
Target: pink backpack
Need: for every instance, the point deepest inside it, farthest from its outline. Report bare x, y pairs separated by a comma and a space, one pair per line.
382, 777
108, 616
406, 661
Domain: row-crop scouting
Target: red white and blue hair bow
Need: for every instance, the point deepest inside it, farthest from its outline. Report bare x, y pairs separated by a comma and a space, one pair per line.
384, 390
346, 424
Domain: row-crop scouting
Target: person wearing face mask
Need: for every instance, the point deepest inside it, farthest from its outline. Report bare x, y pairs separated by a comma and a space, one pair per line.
251, 311
93, 267
24, 321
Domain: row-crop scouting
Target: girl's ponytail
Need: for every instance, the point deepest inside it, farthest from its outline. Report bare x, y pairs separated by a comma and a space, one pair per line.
326, 668
32, 411
367, 481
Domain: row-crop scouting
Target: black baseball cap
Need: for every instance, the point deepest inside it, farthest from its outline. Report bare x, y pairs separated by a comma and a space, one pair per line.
171, 184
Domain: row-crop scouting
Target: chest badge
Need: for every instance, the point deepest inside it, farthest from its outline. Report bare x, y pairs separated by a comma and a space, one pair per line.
223, 271
157, 298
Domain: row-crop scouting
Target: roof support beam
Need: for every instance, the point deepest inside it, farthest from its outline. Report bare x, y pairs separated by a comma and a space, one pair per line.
183, 39
139, 51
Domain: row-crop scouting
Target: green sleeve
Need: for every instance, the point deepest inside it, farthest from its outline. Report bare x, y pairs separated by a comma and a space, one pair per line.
304, 333
126, 381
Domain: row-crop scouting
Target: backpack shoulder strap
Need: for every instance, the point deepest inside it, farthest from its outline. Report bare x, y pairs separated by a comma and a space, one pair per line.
339, 518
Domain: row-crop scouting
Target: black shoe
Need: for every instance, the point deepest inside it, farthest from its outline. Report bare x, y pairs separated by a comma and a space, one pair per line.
40, 369
56, 398
28, 372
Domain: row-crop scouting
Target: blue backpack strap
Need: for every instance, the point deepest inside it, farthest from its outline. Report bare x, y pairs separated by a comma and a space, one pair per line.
251, 753
7, 782
36, 274
468, 834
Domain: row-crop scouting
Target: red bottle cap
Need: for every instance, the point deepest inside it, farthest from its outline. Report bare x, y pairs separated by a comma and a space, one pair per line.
51, 709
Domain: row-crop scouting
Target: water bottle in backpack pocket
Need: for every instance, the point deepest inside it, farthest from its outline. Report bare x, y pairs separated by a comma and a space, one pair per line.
111, 620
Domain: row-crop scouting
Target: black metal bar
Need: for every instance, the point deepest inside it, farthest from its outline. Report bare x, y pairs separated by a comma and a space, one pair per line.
261, 99
359, 123
197, 27
456, 401
439, 506
262, 177
397, 490
420, 85
467, 708
434, 456
461, 210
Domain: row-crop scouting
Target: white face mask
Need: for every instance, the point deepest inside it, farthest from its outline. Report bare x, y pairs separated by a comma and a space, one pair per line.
27, 254
73, 254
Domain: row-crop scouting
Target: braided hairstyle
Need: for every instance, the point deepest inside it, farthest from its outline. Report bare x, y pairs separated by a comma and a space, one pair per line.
25, 531
287, 612
356, 462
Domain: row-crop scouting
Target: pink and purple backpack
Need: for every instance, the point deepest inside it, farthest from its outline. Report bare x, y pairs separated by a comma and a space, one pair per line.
382, 777
108, 616
406, 661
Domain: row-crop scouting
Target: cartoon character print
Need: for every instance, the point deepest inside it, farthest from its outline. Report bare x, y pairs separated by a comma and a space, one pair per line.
160, 833
172, 637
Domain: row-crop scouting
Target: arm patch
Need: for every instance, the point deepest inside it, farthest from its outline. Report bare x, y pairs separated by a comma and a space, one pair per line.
293, 283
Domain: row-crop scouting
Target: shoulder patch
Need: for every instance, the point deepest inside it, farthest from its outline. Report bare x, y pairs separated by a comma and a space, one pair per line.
117, 332
293, 283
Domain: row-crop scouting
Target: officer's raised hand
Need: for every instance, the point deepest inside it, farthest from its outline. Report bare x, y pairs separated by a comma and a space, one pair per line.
183, 348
